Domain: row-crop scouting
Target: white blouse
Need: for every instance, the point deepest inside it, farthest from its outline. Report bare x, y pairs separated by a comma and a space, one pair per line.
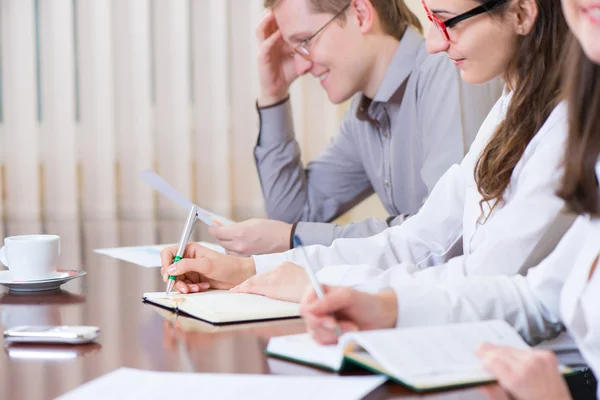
557, 293
447, 233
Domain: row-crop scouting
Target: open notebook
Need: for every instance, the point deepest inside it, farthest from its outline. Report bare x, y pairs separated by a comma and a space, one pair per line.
422, 358
221, 307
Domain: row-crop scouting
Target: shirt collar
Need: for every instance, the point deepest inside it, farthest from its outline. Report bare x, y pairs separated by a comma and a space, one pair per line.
401, 65
391, 88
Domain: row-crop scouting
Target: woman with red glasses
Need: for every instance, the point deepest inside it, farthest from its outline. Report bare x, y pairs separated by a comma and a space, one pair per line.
486, 216
561, 292
500, 207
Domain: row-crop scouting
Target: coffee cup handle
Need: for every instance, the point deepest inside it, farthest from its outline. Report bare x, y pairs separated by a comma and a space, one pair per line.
3, 259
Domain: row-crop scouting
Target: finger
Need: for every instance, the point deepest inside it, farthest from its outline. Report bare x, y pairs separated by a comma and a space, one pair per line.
312, 322
324, 336
266, 26
486, 347
201, 266
337, 326
199, 287
501, 367
167, 255
334, 300
224, 232
248, 286
182, 287
347, 326
195, 250
309, 297
268, 44
510, 355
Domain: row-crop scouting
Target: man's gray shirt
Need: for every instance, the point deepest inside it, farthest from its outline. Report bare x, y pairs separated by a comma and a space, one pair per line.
421, 121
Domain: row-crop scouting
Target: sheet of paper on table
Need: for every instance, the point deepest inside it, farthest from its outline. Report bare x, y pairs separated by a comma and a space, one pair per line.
145, 385
146, 256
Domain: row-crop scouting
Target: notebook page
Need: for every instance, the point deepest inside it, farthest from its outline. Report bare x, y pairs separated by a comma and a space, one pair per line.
437, 354
222, 306
302, 348
148, 385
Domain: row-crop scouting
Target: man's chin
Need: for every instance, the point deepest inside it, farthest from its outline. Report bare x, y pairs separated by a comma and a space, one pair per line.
337, 98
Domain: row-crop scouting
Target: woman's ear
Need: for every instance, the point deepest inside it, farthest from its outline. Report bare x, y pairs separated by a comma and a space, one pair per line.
526, 13
364, 14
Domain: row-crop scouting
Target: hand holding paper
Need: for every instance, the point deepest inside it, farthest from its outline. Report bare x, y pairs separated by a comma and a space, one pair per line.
254, 236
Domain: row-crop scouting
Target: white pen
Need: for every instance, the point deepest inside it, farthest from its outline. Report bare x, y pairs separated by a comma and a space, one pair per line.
185, 237
313, 278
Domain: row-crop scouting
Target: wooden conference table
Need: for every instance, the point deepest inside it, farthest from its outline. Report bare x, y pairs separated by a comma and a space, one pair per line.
134, 334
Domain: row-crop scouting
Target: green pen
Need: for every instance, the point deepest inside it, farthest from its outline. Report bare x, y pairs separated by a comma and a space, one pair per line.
185, 237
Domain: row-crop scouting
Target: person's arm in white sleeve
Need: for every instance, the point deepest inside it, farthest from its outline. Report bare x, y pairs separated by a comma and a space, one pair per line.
529, 303
423, 239
514, 231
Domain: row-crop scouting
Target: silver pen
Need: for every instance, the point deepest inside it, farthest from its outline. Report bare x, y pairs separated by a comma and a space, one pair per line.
313, 278
185, 237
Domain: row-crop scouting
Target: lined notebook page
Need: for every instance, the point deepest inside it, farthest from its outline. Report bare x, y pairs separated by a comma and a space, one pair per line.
436, 355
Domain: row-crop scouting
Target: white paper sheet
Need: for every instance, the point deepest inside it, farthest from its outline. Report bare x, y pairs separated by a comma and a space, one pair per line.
163, 187
146, 256
126, 383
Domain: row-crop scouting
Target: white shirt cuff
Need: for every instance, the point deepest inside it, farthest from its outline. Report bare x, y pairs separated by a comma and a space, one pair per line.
267, 262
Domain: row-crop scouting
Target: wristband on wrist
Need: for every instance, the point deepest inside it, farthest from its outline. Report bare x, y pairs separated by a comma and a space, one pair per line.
292, 233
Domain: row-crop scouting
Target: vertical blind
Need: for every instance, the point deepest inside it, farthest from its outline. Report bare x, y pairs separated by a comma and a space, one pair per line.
94, 91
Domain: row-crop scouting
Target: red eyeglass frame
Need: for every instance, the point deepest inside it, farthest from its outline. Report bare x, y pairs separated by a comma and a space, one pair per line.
443, 26
438, 23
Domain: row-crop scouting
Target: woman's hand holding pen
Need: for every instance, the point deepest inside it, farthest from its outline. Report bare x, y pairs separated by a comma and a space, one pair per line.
353, 310
202, 268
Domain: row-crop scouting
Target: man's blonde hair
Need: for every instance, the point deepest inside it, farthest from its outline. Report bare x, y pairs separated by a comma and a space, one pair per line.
394, 15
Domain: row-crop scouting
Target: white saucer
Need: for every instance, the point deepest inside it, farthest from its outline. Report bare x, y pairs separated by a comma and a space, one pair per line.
62, 276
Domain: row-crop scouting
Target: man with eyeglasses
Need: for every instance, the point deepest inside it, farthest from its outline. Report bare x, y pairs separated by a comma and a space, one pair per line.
410, 119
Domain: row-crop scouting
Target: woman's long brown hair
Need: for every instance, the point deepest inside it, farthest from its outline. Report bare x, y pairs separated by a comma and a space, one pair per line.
537, 69
580, 185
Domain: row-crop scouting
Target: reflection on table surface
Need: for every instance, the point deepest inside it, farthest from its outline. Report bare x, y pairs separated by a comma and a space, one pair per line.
134, 334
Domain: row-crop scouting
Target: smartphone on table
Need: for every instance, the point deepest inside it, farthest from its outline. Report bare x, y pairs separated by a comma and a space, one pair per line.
51, 334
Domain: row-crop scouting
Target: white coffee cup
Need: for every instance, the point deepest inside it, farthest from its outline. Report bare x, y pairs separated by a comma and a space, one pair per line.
31, 257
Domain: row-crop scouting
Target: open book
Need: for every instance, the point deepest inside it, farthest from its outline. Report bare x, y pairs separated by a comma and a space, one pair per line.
421, 358
221, 307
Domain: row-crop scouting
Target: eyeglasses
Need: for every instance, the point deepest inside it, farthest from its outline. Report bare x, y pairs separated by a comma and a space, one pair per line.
443, 26
302, 48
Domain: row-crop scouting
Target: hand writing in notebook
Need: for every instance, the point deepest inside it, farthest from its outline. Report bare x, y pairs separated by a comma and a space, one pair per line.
202, 268
524, 373
354, 310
